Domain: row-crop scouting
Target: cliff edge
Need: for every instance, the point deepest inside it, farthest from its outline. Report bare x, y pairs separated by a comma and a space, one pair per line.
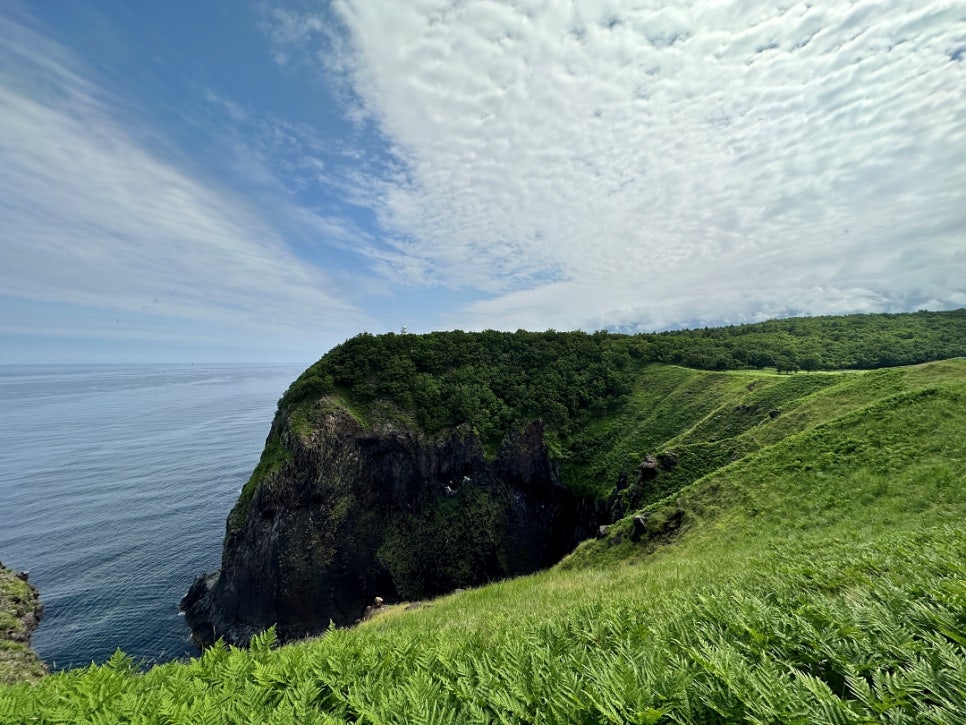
338, 513
20, 613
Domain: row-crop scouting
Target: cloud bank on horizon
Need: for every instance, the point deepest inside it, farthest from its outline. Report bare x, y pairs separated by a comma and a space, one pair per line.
494, 164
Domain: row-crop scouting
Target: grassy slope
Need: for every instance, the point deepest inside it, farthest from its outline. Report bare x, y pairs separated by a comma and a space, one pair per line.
819, 577
697, 414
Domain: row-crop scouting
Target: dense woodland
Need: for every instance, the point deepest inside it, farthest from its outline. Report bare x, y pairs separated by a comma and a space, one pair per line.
499, 380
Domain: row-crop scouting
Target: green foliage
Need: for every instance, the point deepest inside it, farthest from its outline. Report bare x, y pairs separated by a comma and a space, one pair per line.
492, 380
496, 380
589, 388
446, 545
819, 343
819, 578
777, 641
17, 602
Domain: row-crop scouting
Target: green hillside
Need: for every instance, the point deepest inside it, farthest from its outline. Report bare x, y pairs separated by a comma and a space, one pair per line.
588, 387
792, 552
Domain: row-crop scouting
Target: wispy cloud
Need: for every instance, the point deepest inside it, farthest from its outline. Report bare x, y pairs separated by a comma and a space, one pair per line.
292, 30
607, 163
94, 215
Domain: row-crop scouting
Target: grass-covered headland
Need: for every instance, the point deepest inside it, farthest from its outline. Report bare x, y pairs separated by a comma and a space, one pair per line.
790, 547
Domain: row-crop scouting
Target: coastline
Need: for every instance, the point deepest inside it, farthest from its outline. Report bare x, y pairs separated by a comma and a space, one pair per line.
20, 613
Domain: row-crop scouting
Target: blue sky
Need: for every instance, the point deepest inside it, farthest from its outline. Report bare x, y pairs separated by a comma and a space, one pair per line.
197, 181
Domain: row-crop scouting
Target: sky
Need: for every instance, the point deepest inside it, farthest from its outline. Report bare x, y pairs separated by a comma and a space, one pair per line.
258, 181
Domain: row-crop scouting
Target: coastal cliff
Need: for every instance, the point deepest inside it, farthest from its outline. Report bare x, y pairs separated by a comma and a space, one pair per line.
342, 513
20, 613
405, 466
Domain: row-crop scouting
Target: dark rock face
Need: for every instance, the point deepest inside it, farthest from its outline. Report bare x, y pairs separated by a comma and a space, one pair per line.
356, 514
629, 496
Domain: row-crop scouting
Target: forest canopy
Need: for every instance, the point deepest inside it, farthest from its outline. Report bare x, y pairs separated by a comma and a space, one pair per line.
498, 380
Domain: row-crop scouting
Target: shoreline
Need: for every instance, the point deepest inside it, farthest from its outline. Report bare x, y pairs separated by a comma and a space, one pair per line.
20, 613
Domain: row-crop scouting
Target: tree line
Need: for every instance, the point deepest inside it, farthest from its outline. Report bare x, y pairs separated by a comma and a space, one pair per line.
499, 380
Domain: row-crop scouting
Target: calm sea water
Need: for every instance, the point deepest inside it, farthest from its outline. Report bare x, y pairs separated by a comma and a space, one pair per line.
115, 482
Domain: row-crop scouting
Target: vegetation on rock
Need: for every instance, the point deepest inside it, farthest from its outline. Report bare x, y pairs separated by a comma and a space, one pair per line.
20, 611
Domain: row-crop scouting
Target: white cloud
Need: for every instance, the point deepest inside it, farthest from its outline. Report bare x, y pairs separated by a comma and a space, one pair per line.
91, 216
595, 163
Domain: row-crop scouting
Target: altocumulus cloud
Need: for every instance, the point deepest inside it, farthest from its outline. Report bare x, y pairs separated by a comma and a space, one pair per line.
643, 164
92, 216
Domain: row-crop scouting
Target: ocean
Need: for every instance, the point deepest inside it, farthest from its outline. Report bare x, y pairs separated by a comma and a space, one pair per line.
115, 482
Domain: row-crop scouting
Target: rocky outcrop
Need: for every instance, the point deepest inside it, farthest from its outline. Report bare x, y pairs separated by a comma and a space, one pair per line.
629, 495
349, 514
20, 613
